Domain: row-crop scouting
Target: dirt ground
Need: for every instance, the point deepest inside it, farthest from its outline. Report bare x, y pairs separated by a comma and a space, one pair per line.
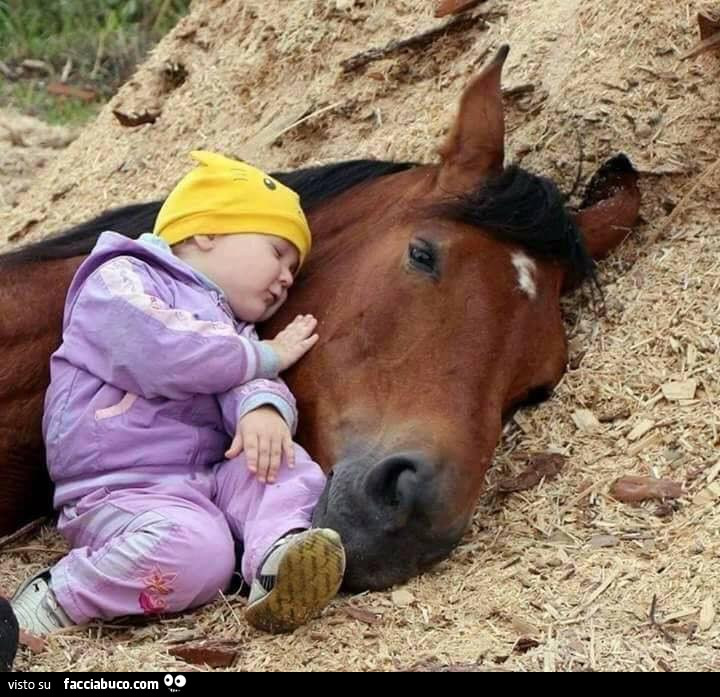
26, 146
558, 577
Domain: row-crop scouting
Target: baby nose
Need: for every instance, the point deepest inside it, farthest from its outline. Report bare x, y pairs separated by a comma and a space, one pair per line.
286, 278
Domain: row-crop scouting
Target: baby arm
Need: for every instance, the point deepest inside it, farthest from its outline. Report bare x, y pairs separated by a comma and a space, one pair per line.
125, 329
262, 414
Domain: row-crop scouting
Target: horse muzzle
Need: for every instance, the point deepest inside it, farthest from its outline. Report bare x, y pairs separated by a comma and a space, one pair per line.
392, 517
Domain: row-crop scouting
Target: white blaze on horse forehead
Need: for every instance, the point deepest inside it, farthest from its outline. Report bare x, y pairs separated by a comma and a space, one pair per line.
526, 271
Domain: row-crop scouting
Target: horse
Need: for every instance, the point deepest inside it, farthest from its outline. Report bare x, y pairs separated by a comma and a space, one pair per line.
437, 288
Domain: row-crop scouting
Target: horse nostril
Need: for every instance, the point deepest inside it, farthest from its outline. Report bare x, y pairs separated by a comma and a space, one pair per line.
392, 484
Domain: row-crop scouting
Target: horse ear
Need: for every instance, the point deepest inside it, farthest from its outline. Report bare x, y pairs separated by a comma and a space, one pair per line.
475, 148
611, 206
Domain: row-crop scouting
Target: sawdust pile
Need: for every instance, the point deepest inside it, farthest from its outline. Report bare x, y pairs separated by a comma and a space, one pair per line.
561, 576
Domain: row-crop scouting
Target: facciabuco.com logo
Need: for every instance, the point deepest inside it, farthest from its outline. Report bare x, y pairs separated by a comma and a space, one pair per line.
104, 684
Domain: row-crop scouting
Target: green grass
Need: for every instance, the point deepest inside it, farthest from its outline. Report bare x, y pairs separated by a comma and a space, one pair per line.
104, 40
30, 97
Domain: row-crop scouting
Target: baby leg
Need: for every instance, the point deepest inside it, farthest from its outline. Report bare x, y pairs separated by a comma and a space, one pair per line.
149, 550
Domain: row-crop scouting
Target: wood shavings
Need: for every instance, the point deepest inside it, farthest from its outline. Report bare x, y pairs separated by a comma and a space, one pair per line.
417, 41
251, 61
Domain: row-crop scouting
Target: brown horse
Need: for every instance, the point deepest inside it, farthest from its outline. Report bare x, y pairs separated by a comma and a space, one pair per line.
437, 288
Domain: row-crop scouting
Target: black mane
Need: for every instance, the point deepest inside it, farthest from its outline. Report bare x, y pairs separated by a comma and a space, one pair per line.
518, 206
313, 184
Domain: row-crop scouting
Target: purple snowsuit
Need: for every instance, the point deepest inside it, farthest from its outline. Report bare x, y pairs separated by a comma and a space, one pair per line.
151, 378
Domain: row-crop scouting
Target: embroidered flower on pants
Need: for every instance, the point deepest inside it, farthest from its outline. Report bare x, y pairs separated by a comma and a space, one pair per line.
157, 584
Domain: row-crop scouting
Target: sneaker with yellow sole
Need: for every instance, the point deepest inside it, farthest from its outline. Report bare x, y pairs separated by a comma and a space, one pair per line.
301, 573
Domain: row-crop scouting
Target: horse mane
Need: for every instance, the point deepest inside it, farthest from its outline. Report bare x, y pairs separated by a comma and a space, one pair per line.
525, 208
515, 206
313, 184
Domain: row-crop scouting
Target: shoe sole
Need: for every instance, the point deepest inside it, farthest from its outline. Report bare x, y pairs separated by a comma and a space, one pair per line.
308, 578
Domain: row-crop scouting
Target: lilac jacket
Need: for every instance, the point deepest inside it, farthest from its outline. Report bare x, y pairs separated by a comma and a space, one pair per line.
152, 374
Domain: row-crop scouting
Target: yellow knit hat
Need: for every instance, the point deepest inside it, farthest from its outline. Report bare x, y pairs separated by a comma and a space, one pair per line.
225, 196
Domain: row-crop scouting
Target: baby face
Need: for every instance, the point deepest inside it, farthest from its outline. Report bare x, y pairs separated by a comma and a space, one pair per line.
254, 270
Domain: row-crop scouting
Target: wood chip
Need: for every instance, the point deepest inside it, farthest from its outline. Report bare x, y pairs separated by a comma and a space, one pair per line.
602, 541
182, 635
679, 614
713, 473
36, 644
646, 443
523, 627
561, 538
586, 421
708, 494
541, 466
523, 421
402, 598
437, 667
453, 7
215, 654
614, 414
525, 644
136, 119
707, 614
640, 429
362, 615
674, 391
632, 489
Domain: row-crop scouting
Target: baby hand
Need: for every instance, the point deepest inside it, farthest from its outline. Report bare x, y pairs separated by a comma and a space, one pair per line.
264, 436
293, 342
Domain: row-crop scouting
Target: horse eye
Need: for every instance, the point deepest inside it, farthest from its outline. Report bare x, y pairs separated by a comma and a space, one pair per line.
422, 258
